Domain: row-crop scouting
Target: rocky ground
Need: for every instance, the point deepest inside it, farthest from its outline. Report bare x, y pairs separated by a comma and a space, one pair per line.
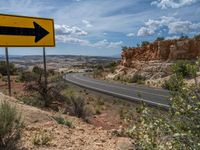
82, 136
156, 72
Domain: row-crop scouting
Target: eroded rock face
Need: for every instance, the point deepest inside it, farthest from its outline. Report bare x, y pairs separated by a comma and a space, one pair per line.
162, 50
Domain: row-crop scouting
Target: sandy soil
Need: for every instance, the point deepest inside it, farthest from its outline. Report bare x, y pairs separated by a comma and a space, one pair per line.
82, 137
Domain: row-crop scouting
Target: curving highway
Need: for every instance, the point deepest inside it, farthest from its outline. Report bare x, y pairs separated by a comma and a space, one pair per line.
152, 96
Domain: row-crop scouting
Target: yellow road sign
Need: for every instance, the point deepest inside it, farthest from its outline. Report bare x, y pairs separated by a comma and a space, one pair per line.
21, 31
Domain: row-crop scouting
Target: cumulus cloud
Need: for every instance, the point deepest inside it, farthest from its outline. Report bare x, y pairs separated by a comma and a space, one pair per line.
130, 34
164, 4
145, 31
172, 24
67, 30
72, 35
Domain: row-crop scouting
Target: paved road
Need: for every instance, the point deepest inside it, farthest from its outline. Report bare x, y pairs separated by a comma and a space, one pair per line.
152, 96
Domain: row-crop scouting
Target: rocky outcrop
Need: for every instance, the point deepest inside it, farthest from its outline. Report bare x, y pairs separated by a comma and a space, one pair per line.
162, 50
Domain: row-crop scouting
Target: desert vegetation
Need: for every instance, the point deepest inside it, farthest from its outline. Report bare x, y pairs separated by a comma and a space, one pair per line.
10, 126
176, 129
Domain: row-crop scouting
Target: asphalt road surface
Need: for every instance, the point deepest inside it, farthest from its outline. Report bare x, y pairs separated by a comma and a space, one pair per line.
152, 96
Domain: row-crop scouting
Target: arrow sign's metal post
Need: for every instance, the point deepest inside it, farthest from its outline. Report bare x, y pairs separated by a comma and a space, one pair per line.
45, 71
8, 71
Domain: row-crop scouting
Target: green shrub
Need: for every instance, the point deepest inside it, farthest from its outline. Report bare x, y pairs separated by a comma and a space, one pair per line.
160, 39
63, 121
10, 126
32, 100
174, 83
78, 107
97, 110
27, 76
138, 79
183, 37
3, 68
184, 68
197, 37
41, 138
145, 43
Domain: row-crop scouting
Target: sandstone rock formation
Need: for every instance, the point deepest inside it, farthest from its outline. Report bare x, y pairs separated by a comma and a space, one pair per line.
162, 50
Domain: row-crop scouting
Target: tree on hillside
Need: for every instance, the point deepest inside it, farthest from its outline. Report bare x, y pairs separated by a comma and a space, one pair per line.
197, 37
145, 43
3, 68
183, 36
160, 39
124, 48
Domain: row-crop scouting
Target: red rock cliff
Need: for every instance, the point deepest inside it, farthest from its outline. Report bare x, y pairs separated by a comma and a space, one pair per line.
162, 50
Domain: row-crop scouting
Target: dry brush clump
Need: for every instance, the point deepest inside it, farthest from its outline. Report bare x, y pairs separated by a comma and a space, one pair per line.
10, 126
41, 138
77, 107
39, 93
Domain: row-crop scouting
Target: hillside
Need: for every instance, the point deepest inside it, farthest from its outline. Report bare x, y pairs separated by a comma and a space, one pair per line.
153, 61
78, 137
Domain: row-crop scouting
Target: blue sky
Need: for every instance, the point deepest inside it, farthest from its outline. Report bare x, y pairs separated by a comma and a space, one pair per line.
101, 27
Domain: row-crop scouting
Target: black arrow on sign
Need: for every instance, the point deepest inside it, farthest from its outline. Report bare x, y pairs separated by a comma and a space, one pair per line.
37, 31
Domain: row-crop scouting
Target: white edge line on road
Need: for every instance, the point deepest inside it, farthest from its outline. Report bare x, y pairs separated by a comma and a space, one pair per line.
117, 86
121, 95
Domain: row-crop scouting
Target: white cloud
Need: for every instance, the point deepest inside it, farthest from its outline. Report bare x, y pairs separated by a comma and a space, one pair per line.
99, 44
106, 43
87, 23
172, 37
71, 40
164, 4
115, 44
173, 25
144, 31
66, 34
130, 34
67, 30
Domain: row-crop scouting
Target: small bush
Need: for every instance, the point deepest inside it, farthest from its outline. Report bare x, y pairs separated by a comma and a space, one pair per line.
184, 68
183, 37
145, 43
100, 102
138, 79
33, 101
3, 68
174, 83
41, 138
97, 110
10, 126
78, 107
197, 37
160, 39
63, 121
